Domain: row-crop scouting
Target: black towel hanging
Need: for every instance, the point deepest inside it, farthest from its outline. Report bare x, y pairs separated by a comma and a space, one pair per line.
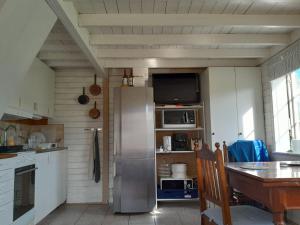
97, 169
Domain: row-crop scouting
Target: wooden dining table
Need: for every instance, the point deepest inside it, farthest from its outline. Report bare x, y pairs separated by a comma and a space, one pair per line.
276, 184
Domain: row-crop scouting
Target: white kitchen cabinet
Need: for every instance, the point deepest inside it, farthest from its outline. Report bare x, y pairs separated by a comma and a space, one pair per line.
51, 182
6, 191
36, 94
233, 99
42, 185
249, 103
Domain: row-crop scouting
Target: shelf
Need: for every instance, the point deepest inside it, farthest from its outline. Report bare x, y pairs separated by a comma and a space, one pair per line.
178, 200
176, 152
160, 107
179, 129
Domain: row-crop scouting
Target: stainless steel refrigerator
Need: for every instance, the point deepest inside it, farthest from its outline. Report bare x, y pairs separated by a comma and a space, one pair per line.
134, 150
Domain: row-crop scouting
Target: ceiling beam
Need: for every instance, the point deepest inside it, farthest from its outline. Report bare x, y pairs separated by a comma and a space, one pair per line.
191, 39
184, 53
188, 20
68, 64
61, 56
176, 63
59, 47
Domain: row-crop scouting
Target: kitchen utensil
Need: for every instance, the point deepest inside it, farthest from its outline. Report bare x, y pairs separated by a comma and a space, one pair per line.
167, 143
83, 99
35, 139
94, 112
164, 170
179, 170
47, 145
95, 89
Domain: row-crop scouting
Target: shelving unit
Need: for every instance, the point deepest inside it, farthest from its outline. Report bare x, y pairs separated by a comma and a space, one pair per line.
188, 157
179, 129
176, 152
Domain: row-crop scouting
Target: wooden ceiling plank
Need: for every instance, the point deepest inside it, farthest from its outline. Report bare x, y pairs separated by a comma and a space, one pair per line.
86, 20
183, 53
194, 39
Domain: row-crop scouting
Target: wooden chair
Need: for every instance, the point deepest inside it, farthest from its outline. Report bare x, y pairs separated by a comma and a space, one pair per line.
237, 197
213, 187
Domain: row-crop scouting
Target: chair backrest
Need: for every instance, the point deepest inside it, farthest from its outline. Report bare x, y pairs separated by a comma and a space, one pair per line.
225, 150
212, 181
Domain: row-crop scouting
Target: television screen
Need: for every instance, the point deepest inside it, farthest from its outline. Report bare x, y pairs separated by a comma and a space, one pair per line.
176, 88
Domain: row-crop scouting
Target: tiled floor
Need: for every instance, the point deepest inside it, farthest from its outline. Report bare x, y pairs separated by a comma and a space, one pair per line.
83, 214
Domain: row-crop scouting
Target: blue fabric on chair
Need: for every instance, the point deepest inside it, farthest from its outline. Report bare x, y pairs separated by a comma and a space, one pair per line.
249, 151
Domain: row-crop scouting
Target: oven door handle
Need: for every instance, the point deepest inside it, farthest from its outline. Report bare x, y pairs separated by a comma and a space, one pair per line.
26, 171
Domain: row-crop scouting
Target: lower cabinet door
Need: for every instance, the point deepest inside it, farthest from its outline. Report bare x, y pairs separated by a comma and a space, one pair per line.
42, 187
6, 214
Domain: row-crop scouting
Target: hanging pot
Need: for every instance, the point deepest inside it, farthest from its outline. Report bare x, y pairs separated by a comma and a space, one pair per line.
94, 113
83, 99
95, 89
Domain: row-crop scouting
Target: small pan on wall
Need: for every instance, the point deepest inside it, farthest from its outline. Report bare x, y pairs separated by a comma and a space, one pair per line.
95, 89
83, 99
94, 113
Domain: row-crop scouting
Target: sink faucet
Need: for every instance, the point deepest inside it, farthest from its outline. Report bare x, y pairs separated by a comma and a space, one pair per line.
5, 132
1, 129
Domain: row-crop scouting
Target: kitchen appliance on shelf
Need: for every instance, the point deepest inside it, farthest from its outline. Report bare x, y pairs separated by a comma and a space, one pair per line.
167, 143
179, 170
134, 150
178, 184
180, 142
179, 118
172, 189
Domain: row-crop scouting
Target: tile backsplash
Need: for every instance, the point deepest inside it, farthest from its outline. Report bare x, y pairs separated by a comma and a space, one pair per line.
54, 133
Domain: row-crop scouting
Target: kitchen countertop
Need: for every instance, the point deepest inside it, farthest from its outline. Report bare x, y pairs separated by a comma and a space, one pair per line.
7, 155
38, 151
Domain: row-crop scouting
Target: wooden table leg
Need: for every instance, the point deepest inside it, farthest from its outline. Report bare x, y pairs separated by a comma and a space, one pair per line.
278, 218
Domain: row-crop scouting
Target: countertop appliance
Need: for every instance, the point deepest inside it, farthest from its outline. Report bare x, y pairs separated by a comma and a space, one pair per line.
180, 184
184, 118
180, 142
134, 150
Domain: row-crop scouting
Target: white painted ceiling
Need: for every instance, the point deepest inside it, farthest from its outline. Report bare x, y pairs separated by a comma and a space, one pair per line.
113, 41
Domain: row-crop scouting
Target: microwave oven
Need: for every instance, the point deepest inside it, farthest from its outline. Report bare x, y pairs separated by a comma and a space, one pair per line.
176, 184
179, 118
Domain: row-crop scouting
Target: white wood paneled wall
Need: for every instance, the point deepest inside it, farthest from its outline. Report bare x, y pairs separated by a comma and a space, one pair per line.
68, 86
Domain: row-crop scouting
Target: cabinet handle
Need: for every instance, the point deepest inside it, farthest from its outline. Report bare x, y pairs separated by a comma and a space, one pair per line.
213, 133
35, 106
240, 133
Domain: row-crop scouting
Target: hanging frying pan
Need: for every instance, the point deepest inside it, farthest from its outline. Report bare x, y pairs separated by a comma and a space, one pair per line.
94, 113
83, 99
95, 89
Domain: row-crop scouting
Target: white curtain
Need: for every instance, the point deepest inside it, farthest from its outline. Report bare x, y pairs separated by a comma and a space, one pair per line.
284, 62
279, 65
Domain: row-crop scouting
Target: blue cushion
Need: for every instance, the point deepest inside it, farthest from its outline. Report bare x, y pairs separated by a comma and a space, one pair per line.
241, 215
249, 151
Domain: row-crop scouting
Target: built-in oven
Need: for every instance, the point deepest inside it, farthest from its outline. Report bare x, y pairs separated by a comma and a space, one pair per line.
24, 190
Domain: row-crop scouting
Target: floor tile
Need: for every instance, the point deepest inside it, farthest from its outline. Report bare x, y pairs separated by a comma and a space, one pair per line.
88, 214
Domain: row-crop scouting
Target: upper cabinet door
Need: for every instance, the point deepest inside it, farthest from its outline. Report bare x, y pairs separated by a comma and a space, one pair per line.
249, 103
223, 110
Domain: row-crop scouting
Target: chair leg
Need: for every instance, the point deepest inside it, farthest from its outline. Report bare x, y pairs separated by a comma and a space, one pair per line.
205, 220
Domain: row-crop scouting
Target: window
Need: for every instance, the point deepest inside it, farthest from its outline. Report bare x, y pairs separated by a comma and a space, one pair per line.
286, 110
